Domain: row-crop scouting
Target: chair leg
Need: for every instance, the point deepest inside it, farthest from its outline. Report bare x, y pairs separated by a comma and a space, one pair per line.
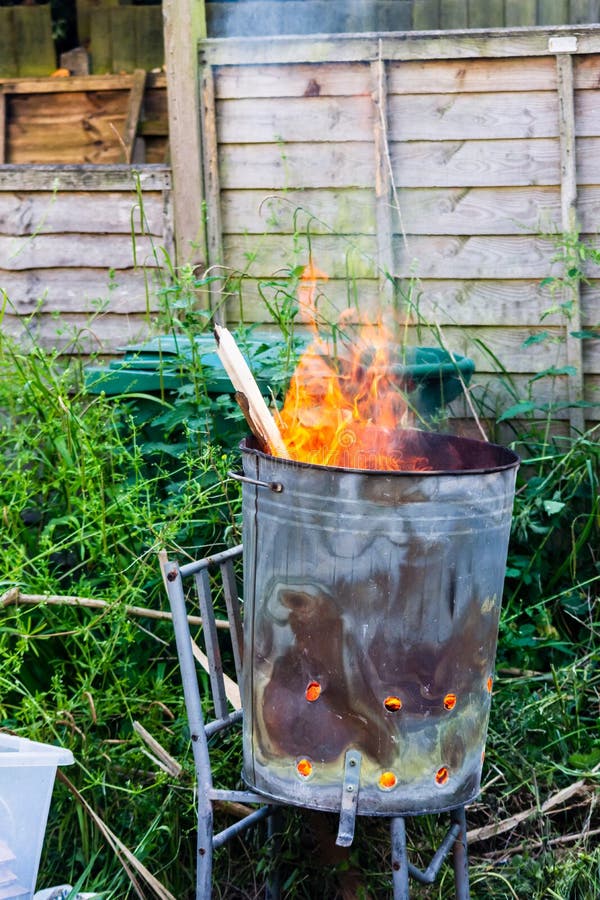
204, 854
461, 856
399, 859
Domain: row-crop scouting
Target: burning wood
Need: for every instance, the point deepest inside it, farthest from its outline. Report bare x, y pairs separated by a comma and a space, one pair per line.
248, 395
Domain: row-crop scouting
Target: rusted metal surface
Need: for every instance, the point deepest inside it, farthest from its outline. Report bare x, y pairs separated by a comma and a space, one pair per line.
371, 614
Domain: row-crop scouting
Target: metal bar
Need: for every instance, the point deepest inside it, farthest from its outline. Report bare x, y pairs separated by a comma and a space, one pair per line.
223, 836
275, 827
349, 802
461, 855
241, 797
212, 728
215, 560
399, 859
233, 614
428, 875
211, 642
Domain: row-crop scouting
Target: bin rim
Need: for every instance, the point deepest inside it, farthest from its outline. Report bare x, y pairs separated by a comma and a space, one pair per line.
18, 751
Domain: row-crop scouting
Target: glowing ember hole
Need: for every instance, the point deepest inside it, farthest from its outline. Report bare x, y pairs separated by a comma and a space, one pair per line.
304, 768
313, 691
489, 684
482, 756
449, 701
387, 781
441, 776
392, 704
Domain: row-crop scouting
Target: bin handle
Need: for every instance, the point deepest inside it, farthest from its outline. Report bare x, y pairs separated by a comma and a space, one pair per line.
275, 486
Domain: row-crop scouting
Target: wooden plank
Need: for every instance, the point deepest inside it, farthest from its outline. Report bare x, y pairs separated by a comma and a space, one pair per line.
402, 46
587, 153
101, 49
72, 251
184, 25
553, 12
333, 254
78, 290
324, 210
294, 119
134, 109
85, 10
486, 13
149, 45
443, 117
582, 11
2, 127
586, 72
123, 24
453, 14
84, 178
47, 213
476, 257
324, 80
155, 81
297, 166
587, 112
8, 45
212, 187
33, 36
519, 13
447, 76
426, 15
480, 163
447, 302
77, 334
568, 189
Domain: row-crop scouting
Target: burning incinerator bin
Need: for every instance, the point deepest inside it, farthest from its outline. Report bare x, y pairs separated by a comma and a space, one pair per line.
372, 601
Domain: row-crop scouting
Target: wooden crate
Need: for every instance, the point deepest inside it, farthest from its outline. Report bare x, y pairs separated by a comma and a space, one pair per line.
84, 119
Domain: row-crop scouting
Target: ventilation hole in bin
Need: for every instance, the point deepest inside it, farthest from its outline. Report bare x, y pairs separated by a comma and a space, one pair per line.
304, 768
313, 691
449, 701
392, 704
442, 775
387, 781
489, 684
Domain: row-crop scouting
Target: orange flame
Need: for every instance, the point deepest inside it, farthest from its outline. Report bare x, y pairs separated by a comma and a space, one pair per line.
345, 411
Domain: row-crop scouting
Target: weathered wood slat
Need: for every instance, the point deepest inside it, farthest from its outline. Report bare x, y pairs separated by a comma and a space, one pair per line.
440, 117
519, 13
2, 127
335, 255
453, 14
79, 334
401, 46
476, 257
68, 291
48, 213
81, 83
73, 251
477, 210
477, 163
312, 119
436, 76
84, 177
297, 166
322, 211
134, 109
212, 187
33, 39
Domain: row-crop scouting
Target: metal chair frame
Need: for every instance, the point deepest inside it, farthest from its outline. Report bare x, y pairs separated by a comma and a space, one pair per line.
201, 731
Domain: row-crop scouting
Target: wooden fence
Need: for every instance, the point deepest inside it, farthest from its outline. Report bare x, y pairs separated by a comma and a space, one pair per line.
77, 252
457, 159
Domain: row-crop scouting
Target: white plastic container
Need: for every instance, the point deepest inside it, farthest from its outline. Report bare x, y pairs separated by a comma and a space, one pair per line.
27, 772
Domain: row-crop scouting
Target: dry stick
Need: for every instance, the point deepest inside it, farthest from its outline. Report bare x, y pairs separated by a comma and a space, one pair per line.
257, 413
14, 597
489, 831
534, 845
165, 761
126, 857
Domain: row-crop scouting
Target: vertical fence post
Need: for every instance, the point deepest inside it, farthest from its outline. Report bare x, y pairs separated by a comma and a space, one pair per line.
185, 24
568, 196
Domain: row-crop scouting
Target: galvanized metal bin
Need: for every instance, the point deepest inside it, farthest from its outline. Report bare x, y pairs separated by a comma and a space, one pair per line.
371, 614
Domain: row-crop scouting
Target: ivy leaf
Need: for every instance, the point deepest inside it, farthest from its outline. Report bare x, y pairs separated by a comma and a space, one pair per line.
519, 409
553, 371
536, 338
553, 507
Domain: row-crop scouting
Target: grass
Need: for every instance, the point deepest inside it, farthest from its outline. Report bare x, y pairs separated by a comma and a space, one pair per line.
93, 487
